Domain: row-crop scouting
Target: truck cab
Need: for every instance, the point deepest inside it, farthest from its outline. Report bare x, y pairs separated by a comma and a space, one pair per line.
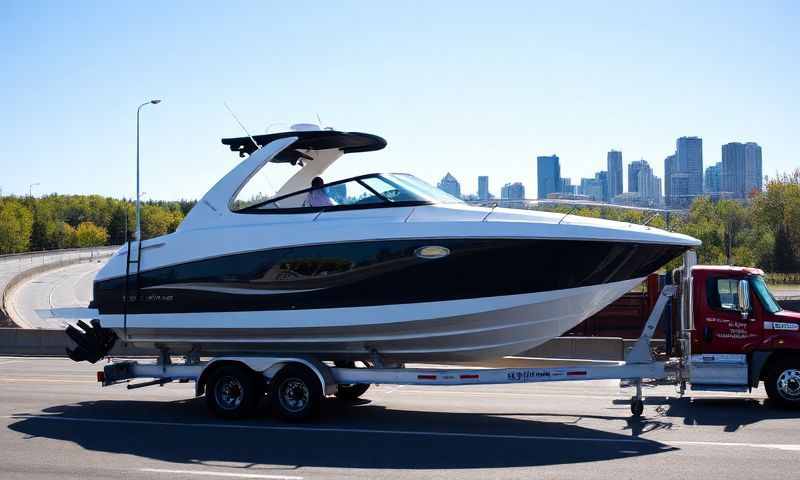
740, 335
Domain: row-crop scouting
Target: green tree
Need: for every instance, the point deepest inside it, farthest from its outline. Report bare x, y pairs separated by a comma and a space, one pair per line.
16, 226
90, 235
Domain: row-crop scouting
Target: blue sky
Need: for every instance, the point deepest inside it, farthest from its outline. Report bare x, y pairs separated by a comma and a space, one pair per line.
470, 88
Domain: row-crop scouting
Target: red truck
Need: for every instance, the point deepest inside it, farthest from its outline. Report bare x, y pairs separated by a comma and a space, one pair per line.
739, 334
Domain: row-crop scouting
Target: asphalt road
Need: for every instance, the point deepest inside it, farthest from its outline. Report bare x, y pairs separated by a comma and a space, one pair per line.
56, 297
58, 424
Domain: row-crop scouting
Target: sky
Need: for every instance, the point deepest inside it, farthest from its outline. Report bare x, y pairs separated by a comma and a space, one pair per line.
471, 88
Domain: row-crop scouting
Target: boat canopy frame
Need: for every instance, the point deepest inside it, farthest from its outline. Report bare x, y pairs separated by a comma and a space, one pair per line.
347, 142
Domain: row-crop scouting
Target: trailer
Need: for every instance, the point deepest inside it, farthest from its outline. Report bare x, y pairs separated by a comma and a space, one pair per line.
296, 385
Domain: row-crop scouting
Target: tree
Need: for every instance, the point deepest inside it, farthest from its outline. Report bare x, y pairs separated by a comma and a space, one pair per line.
90, 235
123, 219
16, 226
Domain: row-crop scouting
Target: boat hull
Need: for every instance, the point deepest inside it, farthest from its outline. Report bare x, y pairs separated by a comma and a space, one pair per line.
446, 331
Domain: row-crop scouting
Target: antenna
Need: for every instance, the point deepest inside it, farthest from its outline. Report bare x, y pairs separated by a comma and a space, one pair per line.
254, 143
241, 125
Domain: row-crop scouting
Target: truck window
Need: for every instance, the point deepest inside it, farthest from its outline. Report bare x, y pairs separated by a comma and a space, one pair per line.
723, 293
764, 295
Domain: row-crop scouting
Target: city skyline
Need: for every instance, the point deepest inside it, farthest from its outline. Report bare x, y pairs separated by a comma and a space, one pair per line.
684, 170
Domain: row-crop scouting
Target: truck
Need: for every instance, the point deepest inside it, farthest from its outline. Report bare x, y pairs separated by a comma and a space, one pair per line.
730, 335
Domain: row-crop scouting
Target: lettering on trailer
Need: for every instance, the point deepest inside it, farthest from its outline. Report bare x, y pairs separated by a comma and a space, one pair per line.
523, 375
793, 327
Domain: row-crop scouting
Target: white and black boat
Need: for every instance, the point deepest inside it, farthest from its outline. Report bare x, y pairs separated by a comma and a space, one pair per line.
390, 266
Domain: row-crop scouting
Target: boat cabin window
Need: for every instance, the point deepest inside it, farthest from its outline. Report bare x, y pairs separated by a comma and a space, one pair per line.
366, 191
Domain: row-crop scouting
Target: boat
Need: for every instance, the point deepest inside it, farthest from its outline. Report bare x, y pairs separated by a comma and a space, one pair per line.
387, 268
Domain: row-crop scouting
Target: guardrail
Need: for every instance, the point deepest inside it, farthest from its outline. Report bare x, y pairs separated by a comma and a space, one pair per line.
18, 267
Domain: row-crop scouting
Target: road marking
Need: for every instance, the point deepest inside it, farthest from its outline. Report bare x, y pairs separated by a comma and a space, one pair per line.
42, 380
210, 473
775, 446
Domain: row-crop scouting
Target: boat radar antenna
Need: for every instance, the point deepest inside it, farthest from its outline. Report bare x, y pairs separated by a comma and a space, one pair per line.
242, 125
251, 139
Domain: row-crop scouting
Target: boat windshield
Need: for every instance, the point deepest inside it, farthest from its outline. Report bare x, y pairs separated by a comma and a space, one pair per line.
366, 191
763, 293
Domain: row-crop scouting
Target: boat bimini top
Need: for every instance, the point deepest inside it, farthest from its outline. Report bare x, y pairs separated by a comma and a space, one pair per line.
306, 146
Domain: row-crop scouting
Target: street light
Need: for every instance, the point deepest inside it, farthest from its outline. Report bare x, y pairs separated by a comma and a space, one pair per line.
30, 188
138, 205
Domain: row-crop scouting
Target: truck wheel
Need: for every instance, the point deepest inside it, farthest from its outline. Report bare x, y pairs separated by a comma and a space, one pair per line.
346, 391
783, 383
233, 392
295, 393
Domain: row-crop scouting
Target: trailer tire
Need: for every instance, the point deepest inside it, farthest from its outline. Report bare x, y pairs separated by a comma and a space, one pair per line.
295, 393
233, 392
346, 391
783, 383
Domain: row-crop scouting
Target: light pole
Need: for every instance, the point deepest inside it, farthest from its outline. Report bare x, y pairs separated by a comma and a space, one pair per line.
138, 205
30, 188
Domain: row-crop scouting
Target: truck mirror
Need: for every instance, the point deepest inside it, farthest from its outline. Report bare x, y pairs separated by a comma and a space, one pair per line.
744, 297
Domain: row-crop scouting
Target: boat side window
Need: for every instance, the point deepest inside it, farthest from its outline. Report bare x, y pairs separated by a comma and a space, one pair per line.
389, 190
723, 293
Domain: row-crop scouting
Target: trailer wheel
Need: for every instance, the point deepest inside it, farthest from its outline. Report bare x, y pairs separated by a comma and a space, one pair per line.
232, 392
295, 393
346, 391
783, 383
637, 407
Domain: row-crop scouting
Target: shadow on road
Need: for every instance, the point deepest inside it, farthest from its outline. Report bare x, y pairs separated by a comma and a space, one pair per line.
183, 432
729, 413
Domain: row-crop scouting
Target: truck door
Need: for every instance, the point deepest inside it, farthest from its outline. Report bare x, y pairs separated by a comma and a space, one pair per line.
720, 327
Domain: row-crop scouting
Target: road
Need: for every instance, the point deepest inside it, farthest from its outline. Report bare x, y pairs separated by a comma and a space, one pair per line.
57, 424
56, 297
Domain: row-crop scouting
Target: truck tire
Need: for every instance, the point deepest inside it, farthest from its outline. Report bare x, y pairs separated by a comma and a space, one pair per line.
233, 392
295, 393
783, 383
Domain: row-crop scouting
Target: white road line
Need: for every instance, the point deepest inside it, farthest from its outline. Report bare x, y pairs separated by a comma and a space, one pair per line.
210, 473
792, 447
11, 361
775, 446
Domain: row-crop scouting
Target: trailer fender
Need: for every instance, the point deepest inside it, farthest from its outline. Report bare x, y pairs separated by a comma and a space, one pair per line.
322, 371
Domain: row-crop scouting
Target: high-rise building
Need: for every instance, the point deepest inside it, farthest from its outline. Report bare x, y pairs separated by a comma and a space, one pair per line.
732, 176
689, 151
633, 175
450, 185
670, 168
741, 169
548, 175
602, 178
591, 188
614, 160
753, 172
512, 193
713, 178
565, 186
649, 186
483, 188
